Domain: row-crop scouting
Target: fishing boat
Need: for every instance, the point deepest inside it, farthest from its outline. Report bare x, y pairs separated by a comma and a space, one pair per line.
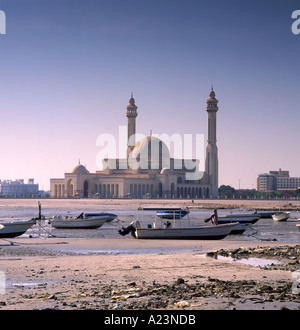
168, 212
264, 215
110, 216
250, 218
80, 222
15, 228
242, 222
168, 232
281, 216
172, 213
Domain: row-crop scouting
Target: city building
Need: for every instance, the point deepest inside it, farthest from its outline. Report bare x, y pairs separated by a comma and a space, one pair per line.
148, 171
17, 188
277, 181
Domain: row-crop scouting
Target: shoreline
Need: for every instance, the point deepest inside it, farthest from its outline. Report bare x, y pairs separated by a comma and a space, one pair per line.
59, 274
129, 274
135, 204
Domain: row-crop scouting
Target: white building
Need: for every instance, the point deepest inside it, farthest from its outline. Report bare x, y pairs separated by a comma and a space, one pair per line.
18, 188
157, 174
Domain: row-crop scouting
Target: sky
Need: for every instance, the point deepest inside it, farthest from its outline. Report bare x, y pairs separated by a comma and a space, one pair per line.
68, 68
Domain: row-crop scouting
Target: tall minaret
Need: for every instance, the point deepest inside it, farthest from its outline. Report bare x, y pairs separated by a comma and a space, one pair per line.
211, 163
131, 114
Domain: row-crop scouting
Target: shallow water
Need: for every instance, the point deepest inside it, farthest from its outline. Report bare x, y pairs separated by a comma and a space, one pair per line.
257, 262
264, 229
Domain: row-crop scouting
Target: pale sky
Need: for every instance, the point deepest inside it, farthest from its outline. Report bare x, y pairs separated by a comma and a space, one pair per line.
68, 68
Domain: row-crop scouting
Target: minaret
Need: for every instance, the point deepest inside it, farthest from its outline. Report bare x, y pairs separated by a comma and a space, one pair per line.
211, 163
131, 114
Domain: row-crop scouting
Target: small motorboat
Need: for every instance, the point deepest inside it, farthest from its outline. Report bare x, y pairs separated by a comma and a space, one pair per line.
80, 222
242, 221
251, 218
173, 213
265, 214
110, 216
15, 228
209, 232
281, 216
168, 212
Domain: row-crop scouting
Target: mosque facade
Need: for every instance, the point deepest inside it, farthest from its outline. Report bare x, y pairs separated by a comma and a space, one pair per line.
148, 171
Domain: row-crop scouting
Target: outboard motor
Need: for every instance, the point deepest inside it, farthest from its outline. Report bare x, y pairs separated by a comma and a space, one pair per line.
130, 229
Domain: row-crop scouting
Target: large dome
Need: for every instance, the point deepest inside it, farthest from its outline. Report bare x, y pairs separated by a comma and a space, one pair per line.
79, 169
151, 153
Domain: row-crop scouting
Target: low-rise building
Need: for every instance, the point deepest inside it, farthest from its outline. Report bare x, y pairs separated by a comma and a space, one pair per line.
17, 188
276, 181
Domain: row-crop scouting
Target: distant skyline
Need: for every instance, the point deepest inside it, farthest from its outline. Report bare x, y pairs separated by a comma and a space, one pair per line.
68, 68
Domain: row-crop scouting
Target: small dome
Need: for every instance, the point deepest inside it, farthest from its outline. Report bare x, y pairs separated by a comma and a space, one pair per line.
212, 94
79, 169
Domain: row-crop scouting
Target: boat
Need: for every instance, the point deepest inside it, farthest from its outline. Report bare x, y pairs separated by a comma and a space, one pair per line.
15, 228
209, 232
111, 216
264, 215
243, 221
281, 216
1, 226
80, 222
298, 226
172, 213
251, 218
168, 212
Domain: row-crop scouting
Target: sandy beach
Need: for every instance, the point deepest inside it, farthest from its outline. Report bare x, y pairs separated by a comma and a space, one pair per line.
129, 274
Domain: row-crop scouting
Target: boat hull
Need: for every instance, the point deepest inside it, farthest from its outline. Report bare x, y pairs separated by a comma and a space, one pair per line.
228, 219
196, 233
15, 229
282, 216
240, 228
110, 216
89, 223
169, 214
264, 215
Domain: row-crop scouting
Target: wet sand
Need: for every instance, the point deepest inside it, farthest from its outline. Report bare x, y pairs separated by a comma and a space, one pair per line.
75, 274
117, 274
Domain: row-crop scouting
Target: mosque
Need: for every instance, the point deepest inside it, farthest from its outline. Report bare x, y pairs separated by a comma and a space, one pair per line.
148, 171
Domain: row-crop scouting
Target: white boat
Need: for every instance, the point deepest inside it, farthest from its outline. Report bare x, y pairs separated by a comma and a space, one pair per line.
110, 216
227, 219
243, 221
16, 228
281, 216
80, 222
1, 226
200, 233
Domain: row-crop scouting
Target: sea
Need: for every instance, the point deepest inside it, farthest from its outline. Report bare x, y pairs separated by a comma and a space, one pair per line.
262, 230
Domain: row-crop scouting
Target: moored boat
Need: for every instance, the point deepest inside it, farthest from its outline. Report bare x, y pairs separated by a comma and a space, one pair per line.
281, 216
173, 213
168, 232
265, 214
80, 222
110, 216
15, 228
251, 218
